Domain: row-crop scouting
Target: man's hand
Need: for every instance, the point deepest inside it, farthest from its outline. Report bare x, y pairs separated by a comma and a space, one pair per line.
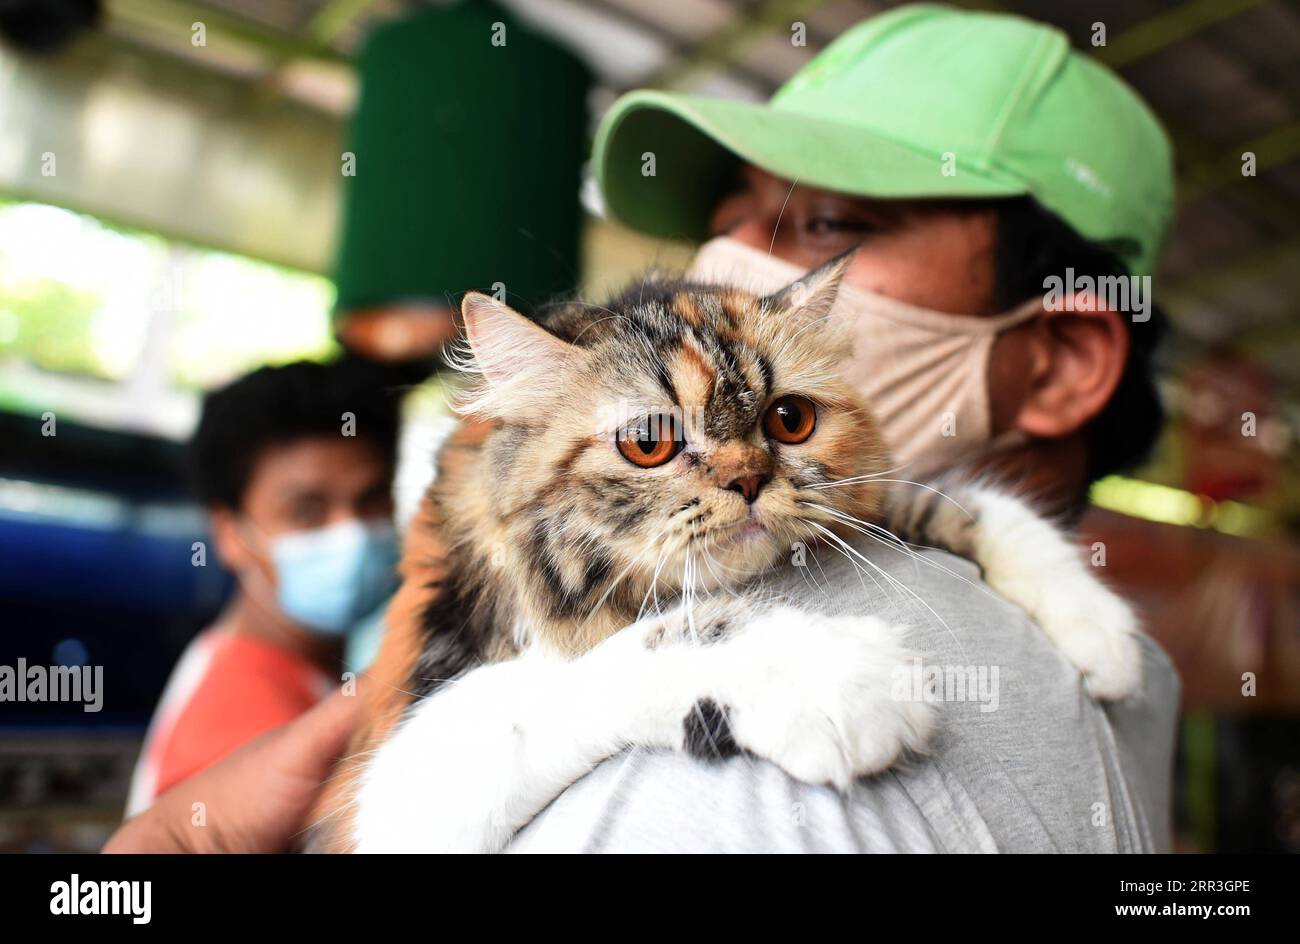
256, 799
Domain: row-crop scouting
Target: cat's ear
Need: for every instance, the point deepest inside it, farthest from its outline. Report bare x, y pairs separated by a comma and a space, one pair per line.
813, 294
507, 345
519, 360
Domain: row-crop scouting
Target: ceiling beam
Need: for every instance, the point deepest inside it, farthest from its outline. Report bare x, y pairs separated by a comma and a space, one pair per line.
726, 45
1159, 32
1224, 278
677, 47
180, 15
332, 19
1272, 149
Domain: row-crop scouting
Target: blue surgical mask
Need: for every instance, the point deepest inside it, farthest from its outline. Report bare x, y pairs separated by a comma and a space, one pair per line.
329, 578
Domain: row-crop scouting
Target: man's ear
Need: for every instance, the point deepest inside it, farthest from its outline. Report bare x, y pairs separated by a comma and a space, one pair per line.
519, 359
813, 294
229, 544
1076, 361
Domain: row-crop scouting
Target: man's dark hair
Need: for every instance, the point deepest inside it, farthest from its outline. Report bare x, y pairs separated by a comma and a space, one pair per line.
1033, 244
276, 405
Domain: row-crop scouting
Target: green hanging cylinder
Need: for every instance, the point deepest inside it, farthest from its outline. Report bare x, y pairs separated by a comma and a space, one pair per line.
469, 140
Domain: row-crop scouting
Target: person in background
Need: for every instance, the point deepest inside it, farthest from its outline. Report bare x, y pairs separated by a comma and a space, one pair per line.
294, 465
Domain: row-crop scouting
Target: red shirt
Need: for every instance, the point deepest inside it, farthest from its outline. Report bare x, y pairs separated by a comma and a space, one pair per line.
226, 689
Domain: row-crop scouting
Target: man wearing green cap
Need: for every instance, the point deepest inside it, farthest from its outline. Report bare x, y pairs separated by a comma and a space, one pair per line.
972, 157
1002, 189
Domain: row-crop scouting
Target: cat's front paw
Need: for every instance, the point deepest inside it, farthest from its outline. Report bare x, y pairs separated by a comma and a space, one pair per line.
1097, 631
815, 695
1030, 562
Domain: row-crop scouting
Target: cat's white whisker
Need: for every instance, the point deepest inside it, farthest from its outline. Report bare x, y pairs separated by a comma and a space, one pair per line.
709, 562
887, 538
865, 477
817, 561
688, 593
844, 549
844, 545
860, 570
843, 516
930, 488
654, 583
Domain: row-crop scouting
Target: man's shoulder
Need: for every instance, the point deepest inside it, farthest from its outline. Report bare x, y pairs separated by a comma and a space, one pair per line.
1021, 740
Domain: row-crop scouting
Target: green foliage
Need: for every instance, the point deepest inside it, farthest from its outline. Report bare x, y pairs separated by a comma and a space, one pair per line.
50, 324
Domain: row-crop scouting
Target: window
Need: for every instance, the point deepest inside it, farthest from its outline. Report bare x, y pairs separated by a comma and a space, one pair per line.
122, 329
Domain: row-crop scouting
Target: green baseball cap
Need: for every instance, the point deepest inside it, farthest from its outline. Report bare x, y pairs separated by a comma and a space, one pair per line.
924, 101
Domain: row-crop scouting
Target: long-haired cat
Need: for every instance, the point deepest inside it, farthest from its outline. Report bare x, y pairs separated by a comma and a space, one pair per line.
595, 538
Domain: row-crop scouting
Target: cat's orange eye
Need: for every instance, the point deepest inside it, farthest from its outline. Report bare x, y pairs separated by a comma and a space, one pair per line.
790, 419
650, 441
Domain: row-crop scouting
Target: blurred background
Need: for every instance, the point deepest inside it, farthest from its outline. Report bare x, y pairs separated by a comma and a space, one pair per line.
176, 208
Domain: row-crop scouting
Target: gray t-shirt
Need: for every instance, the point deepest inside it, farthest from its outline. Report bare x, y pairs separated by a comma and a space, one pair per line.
1025, 760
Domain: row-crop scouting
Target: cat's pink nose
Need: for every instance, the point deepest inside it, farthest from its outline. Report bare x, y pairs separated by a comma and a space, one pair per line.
748, 486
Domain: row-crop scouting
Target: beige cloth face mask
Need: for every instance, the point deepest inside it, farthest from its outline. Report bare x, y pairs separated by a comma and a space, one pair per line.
924, 372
